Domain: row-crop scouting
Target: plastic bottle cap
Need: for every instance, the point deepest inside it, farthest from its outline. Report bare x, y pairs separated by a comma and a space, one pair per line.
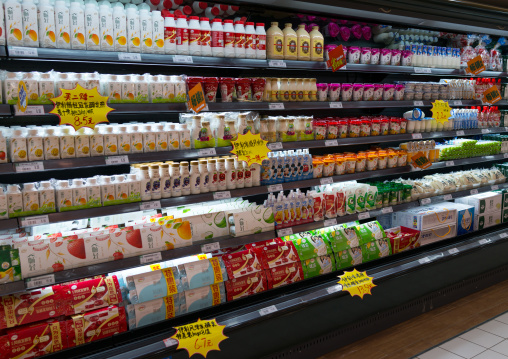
215, 11
228, 21
202, 5
217, 20
249, 24
194, 18
205, 19
260, 24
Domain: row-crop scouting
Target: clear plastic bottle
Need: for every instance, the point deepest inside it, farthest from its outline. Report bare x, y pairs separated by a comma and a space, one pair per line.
182, 36
155, 182
185, 176
165, 181
195, 178
250, 41
217, 38
206, 37
229, 39
35, 146
176, 180
213, 178
30, 197
194, 36
239, 40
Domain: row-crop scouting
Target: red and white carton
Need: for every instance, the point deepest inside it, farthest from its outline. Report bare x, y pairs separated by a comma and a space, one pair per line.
285, 274
242, 263
263, 243
93, 294
277, 254
247, 285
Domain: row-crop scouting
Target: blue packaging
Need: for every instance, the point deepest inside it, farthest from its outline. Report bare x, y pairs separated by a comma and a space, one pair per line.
204, 297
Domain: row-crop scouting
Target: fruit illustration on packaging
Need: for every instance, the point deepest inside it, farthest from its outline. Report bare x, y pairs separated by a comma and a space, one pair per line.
124, 196
175, 144
135, 41
169, 245
34, 207
32, 34
34, 96
67, 203
70, 151
117, 255
187, 143
111, 197
151, 146
159, 42
38, 152
163, 145
109, 40
112, 148
65, 36
121, 40
17, 34
54, 152
80, 37
184, 230
85, 150
117, 96
2, 155
57, 267
138, 146
22, 154
82, 201
99, 149
76, 248
133, 237
94, 38
126, 147
148, 42
51, 36
130, 96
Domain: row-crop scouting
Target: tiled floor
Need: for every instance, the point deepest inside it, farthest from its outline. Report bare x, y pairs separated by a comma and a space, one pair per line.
486, 341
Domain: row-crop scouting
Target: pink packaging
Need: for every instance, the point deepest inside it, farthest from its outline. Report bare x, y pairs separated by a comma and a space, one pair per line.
322, 91
368, 92
378, 92
345, 49
395, 61
210, 88
345, 33
367, 32
193, 81
258, 88
354, 54
334, 92
242, 89
386, 57
374, 56
329, 48
407, 58
346, 92
331, 30
356, 30
399, 93
388, 92
357, 92
227, 87
365, 55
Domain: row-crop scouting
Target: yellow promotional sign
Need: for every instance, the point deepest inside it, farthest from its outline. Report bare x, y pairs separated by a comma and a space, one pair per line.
441, 111
197, 98
22, 100
200, 337
250, 148
475, 66
421, 161
356, 283
492, 95
81, 107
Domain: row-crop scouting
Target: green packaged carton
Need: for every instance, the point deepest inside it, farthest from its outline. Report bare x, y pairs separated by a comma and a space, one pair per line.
343, 238
369, 232
348, 258
310, 245
317, 266
376, 249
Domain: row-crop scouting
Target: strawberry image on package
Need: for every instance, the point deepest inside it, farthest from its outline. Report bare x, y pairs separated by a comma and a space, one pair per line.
285, 274
93, 294
247, 285
242, 263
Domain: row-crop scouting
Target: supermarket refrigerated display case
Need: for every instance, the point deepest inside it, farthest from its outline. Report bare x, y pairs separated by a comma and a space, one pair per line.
311, 317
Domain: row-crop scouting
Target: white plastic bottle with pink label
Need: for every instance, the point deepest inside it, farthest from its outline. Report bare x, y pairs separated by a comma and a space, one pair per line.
217, 43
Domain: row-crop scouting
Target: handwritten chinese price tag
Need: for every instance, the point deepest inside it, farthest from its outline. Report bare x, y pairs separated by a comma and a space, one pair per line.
421, 161
81, 107
197, 98
356, 283
337, 58
441, 111
200, 337
250, 148
492, 95
475, 66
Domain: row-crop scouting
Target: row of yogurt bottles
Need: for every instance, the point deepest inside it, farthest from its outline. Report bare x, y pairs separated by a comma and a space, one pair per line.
287, 166
175, 179
21, 144
101, 26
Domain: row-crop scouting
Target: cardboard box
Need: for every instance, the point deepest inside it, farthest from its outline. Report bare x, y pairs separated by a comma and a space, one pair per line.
487, 220
93, 294
376, 249
465, 216
204, 297
310, 246
277, 254
317, 266
436, 234
483, 202
369, 232
403, 238
426, 217
242, 263
35, 340
251, 220
246, 285
285, 274
208, 226
154, 311
343, 238
348, 258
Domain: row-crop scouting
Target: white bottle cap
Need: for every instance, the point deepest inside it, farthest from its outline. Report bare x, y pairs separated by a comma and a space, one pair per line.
12, 188
29, 186
77, 182
132, 177
120, 178
45, 184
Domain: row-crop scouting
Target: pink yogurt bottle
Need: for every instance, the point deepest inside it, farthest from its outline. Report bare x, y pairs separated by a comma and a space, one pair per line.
395, 61
399, 92
374, 56
334, 92
378, 92
368, 92
386, 57
322, 91
407, 58
354, 55
346, 92
388, 92
365, 55
357, 92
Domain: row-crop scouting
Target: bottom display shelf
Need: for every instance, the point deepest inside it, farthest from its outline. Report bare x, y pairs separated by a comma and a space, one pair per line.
309, 308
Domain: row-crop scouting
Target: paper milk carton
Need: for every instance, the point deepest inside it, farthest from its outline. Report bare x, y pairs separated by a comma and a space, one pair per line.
422, 218
208, 226
439, 233
250, 220
309, 245
465, 216
486, 220
170, 235
487, 202
204, 297
317, 266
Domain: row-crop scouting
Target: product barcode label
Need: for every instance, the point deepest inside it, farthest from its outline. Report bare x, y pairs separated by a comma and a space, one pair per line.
276, 63
424, 201
34, 220
423, 70
149, 258
456, 103
116, 160
449, 163
284, 232
149, 205
424, 260
170, 342
222, 195
30, 111
331, 143
127, 56
42, 281
494, 187
453, 251
29, 167
417, 103
364, 215
23, 51
326, 180
484, 241
503, 235
207, 152
447, 197
276, 106
275, 188
334, 289
485, 130
335, 104
181, 59
268, 310
210, 247
460, 133
387, 210
474, 191
330, 222
275, 146
417, 136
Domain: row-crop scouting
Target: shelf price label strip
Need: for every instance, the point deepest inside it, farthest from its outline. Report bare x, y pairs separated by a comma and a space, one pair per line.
199, 337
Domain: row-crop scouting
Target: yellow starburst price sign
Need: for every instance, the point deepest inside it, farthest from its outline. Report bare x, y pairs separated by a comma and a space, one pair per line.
200, 337
441, 111
250, 148
81, 107
356, 283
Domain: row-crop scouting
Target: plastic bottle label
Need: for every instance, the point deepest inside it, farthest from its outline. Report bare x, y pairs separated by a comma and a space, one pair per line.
291, 44
205, 38
182, 36
261, 42
239, 40
305, 47
249, 42
317, 51
194, 37
229, 39
170, 34
278, 44
217, 39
